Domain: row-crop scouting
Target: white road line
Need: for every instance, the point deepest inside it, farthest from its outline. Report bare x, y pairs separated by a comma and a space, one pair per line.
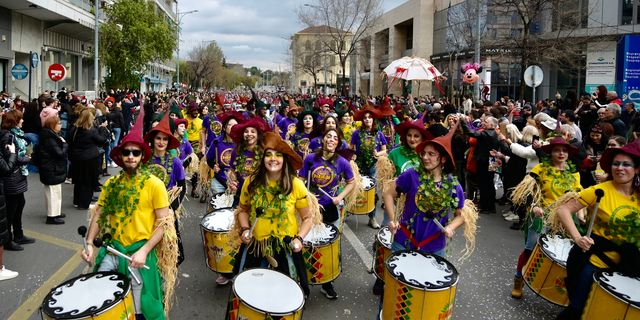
362, 251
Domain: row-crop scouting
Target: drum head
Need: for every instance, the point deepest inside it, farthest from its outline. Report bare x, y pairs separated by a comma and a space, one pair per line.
321, 234
221, 201
218, 220
622, 287
367, 182
423, 271
85, 295
556, 247
384, 236
268, 291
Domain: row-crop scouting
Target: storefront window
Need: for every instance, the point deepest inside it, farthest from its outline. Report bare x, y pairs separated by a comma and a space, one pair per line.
627, 11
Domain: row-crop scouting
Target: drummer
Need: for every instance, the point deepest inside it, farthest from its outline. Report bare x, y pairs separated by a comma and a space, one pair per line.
220, 151
329, 122
306, 125
288, 124
550, 179
437, 193
247, 156
272, 201
610, 246
325, 168
134, 208
369, 144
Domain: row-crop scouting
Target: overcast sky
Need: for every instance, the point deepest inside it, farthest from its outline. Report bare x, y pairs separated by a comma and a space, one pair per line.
250, 32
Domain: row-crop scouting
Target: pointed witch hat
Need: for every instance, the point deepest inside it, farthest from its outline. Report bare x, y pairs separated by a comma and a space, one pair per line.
165, 127
443, 143
359, 115
385, 109
135, 137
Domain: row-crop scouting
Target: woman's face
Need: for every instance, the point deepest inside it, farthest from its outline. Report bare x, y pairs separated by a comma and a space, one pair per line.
251, 136
451, 121
330, 141
205, 110
431, 158
273, 161
330, 123
173, 116
559, 154
230, 124
595, 137
346, 118
160, 142
181, 129
307, 121
368, 120
623, 169
414, 138
613, 144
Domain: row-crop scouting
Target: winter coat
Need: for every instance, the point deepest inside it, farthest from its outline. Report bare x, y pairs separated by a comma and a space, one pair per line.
7, 164
52, 157
84, 144
14, 181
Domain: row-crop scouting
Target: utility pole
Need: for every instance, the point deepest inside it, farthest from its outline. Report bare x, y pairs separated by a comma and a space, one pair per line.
96, 44
476, 85
180, 16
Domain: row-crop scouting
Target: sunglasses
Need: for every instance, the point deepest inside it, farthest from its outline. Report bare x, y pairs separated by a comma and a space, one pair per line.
128, 152
623, 164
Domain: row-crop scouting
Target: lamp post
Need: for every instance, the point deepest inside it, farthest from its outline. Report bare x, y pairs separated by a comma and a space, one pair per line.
180, 16
96, 8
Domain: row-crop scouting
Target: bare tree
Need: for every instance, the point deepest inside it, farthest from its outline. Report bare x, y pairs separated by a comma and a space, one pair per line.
206, 65
346, 22
309, 62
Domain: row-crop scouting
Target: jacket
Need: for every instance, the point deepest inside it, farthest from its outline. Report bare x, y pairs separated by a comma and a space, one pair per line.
14, 182
7, 163
52, 153
84, 143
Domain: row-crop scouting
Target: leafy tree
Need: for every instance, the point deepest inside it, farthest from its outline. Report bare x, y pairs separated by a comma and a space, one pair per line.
135, 34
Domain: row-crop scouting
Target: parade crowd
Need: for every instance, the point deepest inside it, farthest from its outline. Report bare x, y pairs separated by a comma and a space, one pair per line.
292, 167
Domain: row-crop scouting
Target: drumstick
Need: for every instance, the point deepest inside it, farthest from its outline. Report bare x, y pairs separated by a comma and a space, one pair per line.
259, 212
99, 243
82, 231
325, 193
599, 195
133, 275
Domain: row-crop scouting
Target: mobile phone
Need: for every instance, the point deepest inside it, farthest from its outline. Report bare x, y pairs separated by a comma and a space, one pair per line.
536, 138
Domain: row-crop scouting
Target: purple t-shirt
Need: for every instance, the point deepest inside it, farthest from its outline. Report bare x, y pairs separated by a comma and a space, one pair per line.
287, 125
325, 175
177, 171
379, 140
300, 143
248, 165
408, 182
224, 152
185, 149
213, 126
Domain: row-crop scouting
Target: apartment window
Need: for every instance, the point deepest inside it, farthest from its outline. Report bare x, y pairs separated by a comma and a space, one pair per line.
629, 11
409, 44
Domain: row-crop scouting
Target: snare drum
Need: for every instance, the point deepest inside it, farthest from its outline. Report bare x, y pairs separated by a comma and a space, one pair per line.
613, 296
263, 293
381, 251
321, 254
546, 269
215, 236
366, 200
100, 295
220, 201
418, 286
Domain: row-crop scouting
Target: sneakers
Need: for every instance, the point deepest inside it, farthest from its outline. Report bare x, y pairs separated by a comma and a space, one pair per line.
6, 274
373, 223
518, 283
512, 218
113, 165
222, 280
328, 291
67, 181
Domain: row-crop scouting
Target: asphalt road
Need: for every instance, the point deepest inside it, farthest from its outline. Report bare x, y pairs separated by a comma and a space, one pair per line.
483, 290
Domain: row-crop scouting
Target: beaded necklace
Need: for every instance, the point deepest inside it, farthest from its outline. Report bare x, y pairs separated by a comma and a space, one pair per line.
167, 163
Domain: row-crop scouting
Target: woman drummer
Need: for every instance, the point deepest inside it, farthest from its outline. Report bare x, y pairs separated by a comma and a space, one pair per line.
326, 168
272, 201
247, 156
346, 123
369, 143
221, 149
547, 181
162, 140
185, 149
614, 243
432, 193
304, 128
329, 122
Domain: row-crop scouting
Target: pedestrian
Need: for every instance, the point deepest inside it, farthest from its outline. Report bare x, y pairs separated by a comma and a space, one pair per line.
52, 164
134, 209
7, 163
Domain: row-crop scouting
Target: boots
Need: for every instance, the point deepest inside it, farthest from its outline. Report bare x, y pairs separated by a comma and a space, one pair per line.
518, 283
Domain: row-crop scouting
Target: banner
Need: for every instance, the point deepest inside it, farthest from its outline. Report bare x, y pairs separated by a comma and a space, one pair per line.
628, 69
601, 66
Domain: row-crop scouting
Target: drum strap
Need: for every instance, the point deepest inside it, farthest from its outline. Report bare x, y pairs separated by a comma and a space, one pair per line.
413, 240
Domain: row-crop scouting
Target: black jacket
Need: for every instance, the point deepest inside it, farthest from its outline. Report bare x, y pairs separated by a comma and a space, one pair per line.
7, 163
52, 153
84, 143
14, 182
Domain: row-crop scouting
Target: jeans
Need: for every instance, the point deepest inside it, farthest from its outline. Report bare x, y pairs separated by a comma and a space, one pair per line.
217, 187
35, 139
579, 295
116, 138
110, 263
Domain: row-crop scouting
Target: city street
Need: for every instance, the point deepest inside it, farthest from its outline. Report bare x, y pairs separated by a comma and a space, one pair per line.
483, 291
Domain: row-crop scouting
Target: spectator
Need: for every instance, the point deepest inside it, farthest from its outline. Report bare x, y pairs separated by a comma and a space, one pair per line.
116, 121
7, 163
612, 116
568, 117
52, 162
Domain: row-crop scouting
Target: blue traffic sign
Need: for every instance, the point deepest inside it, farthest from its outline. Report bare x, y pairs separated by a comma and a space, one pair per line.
34, 60
19, 71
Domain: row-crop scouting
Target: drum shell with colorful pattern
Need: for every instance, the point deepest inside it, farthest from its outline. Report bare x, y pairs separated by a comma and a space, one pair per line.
418, 286
322, 256
258, 294
381, 251
613, 296
215, 228
115, 303
366, 200
545, 272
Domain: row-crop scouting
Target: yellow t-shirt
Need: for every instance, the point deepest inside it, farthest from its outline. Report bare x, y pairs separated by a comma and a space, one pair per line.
153, 195
552, 186
614, 207
193, 131
272, 223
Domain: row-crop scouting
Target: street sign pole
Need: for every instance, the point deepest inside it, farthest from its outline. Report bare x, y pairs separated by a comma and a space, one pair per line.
30, 65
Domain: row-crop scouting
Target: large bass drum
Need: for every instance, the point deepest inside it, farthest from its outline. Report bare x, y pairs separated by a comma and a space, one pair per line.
613, 296
546, 269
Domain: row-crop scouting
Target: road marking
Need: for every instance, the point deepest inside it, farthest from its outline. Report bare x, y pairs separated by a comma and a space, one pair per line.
33, 303
361, 250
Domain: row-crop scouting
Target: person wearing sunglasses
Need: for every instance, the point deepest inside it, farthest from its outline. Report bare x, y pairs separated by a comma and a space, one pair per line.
134, 209
614, 242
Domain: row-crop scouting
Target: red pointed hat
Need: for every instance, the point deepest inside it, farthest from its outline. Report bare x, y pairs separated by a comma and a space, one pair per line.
444, 144
135, 137
237, 132
385, 109
359, 115
631, 149
164, 127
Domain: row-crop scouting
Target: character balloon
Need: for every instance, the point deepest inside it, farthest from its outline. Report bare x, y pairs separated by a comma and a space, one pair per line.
470, 72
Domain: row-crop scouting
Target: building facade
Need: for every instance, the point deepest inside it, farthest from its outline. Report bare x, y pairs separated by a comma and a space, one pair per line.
316, 68
60, 31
